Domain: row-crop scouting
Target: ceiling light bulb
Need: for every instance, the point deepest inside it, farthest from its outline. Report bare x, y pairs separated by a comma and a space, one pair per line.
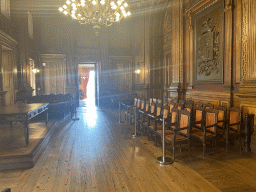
102, 2
94, 2
125, 4
60, 9
73, 0
65, 6
68, 2
65, 12
122, 8
112, 3
129, 13
119, 2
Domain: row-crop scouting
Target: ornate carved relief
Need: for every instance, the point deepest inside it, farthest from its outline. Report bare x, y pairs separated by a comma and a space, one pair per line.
245, 39
208, 46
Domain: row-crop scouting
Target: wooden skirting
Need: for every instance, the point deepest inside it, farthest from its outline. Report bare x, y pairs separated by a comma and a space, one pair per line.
30, 156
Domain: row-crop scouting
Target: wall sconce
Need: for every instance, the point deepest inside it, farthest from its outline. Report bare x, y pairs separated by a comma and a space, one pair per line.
44, 64
137, 71
35, 70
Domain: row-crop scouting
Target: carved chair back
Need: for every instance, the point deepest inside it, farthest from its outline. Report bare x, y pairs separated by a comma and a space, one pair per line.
211, 119
184, 122
222, 116
235, 119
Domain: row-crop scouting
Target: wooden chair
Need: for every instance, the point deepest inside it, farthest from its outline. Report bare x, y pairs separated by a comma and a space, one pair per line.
222, 120
209, 128
171, 119
144, 120
172, 105
180, 133
141, 111
233, 130
129, 110
149, 125
198, 119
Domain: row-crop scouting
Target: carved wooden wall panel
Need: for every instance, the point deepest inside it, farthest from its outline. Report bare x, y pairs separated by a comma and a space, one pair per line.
209, 45
248, 43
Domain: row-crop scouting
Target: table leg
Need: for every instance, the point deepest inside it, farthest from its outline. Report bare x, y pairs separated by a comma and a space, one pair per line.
46, 118
26, 131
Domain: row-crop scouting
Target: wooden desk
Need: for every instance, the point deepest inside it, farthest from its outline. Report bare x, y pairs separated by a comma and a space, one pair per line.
23, 113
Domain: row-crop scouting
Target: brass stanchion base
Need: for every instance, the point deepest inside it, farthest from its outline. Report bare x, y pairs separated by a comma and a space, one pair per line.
167, 160
135, 135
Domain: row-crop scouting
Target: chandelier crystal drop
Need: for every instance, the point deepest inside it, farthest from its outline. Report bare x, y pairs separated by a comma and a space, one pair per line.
96, 12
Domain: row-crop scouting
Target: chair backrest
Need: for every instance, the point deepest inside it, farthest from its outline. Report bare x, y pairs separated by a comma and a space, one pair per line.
152, 108
235, 118
199, 115
209, 106
135, 102
184, 121
142, 104
138, 103
150, 101
222, 115
147, 106
172, 105
211, 119
158, 110
165, 112
174, 115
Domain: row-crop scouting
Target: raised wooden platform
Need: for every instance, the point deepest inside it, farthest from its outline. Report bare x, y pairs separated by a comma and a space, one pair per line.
14, 154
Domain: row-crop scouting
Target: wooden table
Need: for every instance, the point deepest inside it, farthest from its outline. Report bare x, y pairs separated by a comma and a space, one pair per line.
23, 113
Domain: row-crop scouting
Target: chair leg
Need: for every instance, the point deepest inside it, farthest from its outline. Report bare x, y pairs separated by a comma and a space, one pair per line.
173, 149
189, 148
204, 148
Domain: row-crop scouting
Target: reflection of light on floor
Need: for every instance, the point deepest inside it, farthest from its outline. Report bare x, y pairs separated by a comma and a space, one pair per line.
91, 115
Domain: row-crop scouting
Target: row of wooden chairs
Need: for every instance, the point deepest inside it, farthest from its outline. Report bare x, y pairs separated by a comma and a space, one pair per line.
186, 121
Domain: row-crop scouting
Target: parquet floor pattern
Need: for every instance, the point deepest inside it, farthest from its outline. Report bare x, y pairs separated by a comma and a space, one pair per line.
97, 154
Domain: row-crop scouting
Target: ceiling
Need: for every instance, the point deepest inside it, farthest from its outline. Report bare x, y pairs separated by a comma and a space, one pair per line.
48, 8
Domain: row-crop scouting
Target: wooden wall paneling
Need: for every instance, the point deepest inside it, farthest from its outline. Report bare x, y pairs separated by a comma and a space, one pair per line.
228, 44
238, 40
248, 45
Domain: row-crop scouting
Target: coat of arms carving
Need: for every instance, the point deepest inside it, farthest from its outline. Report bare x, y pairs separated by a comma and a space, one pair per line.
209, 41
208, 49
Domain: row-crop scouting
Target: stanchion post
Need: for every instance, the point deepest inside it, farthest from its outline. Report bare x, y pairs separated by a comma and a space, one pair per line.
135, 134
164, 160
120, 113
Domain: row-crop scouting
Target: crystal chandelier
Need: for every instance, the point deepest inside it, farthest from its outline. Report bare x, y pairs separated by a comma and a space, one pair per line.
96, 13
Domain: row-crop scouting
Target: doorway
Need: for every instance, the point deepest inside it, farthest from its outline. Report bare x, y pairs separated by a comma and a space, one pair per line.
87, 84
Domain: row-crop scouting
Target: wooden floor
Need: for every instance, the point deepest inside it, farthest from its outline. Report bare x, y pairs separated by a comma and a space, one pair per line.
97, 154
